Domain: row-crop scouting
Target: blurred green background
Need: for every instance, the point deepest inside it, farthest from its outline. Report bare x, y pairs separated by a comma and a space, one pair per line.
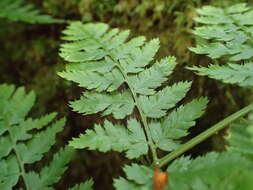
29, 57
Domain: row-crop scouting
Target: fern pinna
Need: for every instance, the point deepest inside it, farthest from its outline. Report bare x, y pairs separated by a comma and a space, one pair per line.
121, 76
19, 10
24, 141
226, 34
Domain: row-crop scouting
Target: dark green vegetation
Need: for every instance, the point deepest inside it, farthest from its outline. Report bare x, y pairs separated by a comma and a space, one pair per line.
29, 57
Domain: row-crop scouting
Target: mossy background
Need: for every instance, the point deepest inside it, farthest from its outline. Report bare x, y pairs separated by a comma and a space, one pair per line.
29, 57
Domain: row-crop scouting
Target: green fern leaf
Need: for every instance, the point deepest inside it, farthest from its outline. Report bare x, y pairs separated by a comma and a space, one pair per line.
89, 45
120, 105
18, 10
156, 106
23, 102
166, 134
6, 146
33, 180
240, 137
139, 176
30, 123
114, 137
41, 142
141, 57
9, 173
102, 66
231, 73
5, 93
237, 8
214, 50
213, 15
123, 184
177, 123
51, 174
226, 34
160, 139
150, 79
21, 131
94, 53
21, 144
84, 186
95, 80
121, 76
213, 170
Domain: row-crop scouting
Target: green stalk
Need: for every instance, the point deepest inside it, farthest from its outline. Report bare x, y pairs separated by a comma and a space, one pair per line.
20, 162
142, 115
203, 136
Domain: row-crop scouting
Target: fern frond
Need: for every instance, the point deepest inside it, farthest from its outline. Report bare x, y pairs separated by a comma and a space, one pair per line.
18, 10
21, 144
121, 76
226, 34
230, 73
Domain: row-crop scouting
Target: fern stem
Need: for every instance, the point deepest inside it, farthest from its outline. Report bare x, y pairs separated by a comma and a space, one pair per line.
21, 164
143, 117
201, 137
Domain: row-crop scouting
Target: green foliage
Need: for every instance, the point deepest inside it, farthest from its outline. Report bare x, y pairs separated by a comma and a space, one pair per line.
230, 73
227, 171
140, 178
228, 31
115, 137
84, 186
240, 137
120, 75
212, 171
18, 10
226, 34
25, 141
